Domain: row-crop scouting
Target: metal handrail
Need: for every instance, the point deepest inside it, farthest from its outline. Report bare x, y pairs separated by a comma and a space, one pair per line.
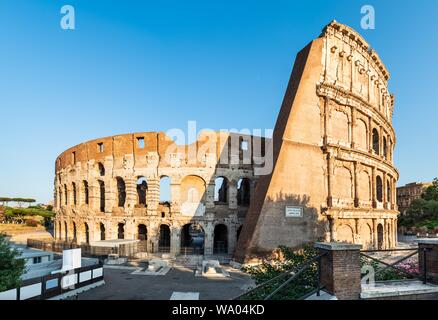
301, 268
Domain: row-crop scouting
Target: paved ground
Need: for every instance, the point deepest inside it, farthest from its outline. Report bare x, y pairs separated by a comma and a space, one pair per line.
122, 285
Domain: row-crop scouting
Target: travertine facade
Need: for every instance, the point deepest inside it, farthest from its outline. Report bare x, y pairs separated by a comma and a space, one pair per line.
333, 153
333, 177
110, 188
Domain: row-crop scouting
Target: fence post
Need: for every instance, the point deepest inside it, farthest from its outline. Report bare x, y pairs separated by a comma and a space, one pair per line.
428, 259
340, 269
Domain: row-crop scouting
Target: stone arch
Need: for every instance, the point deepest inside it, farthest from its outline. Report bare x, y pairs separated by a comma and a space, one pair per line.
142, 232
345, 233
388, 191
102, 231
75, 234
220, 239
366, 236
165, 191
340, 132
120, 230
243, 192
66, 230
361, 135
364, 186
379, 189
221, 189
101, 169
343, 183
121, 192
376, 141
101, 195
192, 238
164, 238
86, 192
87, 233
385, 148
192, 189
380, 237
65, 195
59, 230
142, 189
75, 199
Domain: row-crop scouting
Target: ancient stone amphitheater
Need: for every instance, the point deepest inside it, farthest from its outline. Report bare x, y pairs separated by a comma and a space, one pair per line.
332, 176
144, 186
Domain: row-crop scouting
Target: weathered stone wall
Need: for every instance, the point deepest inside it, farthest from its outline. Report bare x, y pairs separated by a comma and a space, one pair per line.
117, 163
333, 152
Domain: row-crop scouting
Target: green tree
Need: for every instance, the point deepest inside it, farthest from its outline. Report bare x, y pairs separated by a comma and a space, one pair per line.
431, 192
5, 200
11, 266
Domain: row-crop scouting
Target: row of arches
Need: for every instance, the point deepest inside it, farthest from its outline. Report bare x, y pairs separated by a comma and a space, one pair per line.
192, 186
374, 140
344, 186
192, 236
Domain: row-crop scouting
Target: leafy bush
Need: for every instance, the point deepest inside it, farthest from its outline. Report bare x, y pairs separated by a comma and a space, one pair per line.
31, 223
285, 259
409, 265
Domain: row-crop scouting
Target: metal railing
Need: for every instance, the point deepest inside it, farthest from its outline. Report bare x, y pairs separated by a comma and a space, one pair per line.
280, 284
52, 285
421, 275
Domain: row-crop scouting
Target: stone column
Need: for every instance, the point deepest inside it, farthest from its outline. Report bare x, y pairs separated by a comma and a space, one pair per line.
375, 239
232, 237
131, 193
209, 238
153, 194
340, 269
175, 240
232, 194
209, 199
329, 179
430, 248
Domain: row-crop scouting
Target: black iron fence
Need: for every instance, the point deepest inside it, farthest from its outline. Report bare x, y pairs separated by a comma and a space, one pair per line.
54, 285
404, 267
294, 284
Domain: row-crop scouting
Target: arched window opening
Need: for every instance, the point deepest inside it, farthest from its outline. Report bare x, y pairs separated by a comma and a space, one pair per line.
388, 191
376, 141
243, 192
220, 242
238, 233
164, 242
121, 192
385, 148
59, 230
87, 233
75, 202
102, 231
165, 194
380, 236
74, 232
192, 239
65, 195
221, 190
121, 231
102, 196
142, 232
86, 193
379, 189
142, 187
66, 231
101, 169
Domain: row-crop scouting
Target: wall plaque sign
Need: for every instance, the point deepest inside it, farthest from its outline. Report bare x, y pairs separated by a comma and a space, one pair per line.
293, 212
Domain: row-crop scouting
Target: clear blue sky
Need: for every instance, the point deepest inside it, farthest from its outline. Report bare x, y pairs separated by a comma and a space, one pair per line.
153, 65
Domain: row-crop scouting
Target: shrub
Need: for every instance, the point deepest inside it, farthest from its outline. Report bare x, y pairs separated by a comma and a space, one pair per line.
31, 223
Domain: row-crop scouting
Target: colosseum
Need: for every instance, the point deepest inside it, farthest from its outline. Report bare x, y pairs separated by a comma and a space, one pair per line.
332, 177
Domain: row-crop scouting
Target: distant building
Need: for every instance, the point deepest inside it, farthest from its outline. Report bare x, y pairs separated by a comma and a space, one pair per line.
408, 193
